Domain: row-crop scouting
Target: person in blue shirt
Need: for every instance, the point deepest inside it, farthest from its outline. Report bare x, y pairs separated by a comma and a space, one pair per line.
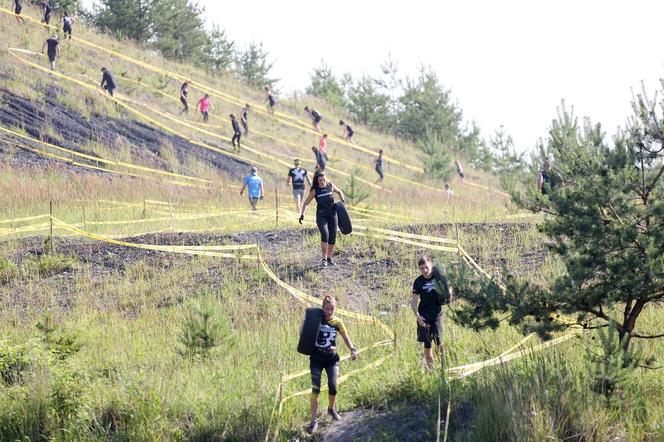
254, 185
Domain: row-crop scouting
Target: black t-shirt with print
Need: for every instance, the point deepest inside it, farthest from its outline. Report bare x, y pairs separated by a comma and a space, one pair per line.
425, 289
298, 175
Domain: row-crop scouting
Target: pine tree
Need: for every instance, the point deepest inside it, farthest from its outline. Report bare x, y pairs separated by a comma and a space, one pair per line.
125, 18
604, 225
325, 85
367, 105
253, 68
507, 163
220, 53
178, 30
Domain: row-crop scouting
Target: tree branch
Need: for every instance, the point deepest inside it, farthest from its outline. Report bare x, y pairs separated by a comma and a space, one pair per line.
640, 336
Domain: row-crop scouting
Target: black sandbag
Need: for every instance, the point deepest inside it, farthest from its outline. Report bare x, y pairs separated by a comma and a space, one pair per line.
343, 218
441, 285
313, 317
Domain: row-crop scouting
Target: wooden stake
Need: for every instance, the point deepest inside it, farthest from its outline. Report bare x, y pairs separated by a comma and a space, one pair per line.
276, 202
50, 249
170, 210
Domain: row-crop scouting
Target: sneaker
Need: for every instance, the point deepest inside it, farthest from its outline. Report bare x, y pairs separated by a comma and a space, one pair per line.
323, 263
313, 426
330, 263
333, 414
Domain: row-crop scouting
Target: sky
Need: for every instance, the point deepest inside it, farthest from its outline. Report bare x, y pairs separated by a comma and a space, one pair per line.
507, 63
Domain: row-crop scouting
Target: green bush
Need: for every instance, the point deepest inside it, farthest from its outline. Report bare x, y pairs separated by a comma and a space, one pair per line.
13, 362
202, 330
59, 342
7, 270
49, 265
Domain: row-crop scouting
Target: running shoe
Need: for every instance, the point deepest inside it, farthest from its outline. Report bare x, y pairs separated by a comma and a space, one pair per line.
323, 263
313, 426
332, 412
330, 263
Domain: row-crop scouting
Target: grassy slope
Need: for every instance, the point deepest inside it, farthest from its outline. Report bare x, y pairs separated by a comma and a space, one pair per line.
158, 92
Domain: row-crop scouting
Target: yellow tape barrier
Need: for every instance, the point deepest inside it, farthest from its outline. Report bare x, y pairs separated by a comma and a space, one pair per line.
145, 117
104, 160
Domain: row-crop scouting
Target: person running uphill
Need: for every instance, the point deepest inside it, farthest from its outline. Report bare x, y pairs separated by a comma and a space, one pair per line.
326, 215
67, 21
429, 311
325, 357
237, 133
254, 184
348, 132
17, 11
315, 117
53, 50
459, 169
46, 12
184, 94
299, 176
204, 105
321, 160
244, 119
107, 81
269, 99
379, 166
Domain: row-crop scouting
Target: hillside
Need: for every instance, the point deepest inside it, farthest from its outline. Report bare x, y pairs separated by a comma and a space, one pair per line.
142, 127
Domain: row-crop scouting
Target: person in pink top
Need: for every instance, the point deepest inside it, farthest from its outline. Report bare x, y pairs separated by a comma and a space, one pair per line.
204, 105
322, 145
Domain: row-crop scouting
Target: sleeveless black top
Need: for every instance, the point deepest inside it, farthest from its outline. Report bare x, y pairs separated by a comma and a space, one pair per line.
324, 198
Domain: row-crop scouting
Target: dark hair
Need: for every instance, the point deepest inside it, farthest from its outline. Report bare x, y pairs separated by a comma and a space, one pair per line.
329, 299
380, 151
319, 173
341, 122
306, 107
103, 69
424, 259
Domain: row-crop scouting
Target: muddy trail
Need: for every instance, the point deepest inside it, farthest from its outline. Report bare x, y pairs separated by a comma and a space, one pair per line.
48, 120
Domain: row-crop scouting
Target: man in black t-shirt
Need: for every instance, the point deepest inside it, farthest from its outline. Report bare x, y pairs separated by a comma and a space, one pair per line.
315, 117
237, 134
52, 47
299, 176
429, 311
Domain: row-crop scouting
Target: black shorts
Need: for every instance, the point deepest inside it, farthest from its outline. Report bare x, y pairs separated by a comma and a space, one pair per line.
317, 120
66, 29
432, 332
17, 10
47, 18
379, 171
271, 101
51, 57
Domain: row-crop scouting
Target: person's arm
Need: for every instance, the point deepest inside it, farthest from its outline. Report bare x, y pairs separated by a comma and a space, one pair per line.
262, 190
103, 80
413, 304
244, 186
57, 51
349, 344
308, 181
288, 181
306, 202
335, 189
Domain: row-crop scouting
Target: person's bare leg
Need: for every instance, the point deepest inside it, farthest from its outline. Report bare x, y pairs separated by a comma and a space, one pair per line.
330, 249
331, 399
428, 357
323, 249
298, 202
314, 406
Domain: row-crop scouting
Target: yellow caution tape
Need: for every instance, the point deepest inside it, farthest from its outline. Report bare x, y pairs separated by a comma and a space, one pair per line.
26, 218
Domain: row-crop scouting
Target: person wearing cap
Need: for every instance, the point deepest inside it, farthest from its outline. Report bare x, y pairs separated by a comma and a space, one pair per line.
299, 176
53, 50
107, 81
254, 185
